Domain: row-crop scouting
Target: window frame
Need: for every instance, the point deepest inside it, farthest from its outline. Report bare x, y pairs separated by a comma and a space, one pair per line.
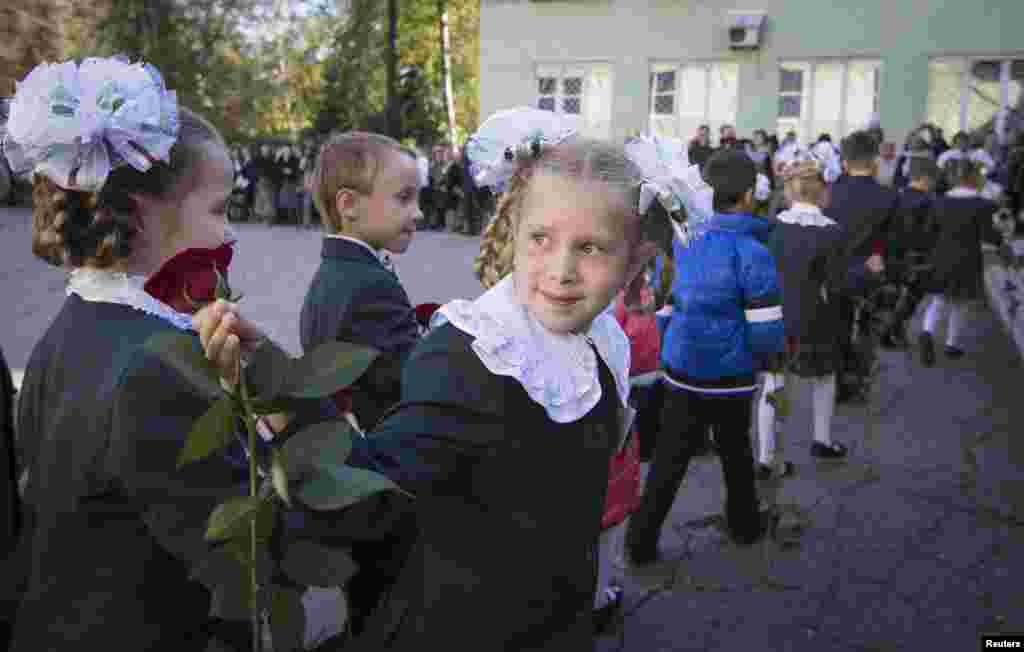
564, 71
806, 121
967, 61
706, 66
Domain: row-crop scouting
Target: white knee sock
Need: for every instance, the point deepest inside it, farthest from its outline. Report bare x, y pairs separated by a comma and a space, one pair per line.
935, 313
957, 318
766, 419
823, 393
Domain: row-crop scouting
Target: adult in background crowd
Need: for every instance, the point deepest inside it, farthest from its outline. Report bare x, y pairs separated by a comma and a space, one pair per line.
289, 161
726, 137
1015, 172
914, 147
887, 163
700, 149
266, 171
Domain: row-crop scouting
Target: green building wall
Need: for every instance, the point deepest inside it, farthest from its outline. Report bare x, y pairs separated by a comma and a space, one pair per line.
631, 34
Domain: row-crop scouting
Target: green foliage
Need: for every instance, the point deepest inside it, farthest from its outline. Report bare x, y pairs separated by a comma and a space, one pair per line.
289, 68
336, 487
213, 431
242, 574
354, 94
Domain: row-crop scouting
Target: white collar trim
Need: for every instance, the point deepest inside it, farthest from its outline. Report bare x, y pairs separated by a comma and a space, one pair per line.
803, 214
962, 192
105, 286
559, 372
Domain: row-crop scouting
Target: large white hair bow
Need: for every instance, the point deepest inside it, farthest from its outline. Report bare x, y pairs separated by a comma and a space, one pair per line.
669, 178
75, 123
507, 135
825, 154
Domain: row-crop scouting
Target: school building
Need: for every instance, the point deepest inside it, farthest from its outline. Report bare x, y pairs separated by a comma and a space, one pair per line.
813, 66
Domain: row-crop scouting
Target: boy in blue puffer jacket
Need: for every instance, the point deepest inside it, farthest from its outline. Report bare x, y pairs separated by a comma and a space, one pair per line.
727, 317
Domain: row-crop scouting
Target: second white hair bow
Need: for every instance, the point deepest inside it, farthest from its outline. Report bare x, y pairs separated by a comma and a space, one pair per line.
669, 178
508, 135
75, 123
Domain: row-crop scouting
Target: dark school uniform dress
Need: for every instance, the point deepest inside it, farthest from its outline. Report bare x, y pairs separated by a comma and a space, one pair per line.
804, 245
913, 233
113, 543
962, 223
509, 506
354, 298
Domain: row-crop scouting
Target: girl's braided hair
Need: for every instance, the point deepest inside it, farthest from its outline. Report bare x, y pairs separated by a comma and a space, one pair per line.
577, 158
71, 227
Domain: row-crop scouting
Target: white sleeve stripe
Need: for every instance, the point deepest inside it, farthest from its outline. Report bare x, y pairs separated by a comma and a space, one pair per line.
758, 315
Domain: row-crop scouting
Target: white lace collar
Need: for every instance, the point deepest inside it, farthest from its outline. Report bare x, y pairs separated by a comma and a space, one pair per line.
962, 192
803, 214
105, 286
559, 372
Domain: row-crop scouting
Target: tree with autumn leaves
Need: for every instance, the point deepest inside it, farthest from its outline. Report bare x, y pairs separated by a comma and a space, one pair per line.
291, 68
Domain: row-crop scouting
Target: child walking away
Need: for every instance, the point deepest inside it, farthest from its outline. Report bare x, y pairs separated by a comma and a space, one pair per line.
727, 310
805, 245
365, 187
963, 220
910, 246
865, 211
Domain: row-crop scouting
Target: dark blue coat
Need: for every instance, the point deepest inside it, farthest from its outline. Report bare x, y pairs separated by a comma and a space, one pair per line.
509, 506
865, 210
113, 543
354, 298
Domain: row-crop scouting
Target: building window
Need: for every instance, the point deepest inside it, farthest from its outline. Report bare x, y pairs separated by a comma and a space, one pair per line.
967, 93
834, 97
685, 96
583, 90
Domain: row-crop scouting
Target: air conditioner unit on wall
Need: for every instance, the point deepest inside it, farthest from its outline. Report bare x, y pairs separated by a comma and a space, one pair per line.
745, 29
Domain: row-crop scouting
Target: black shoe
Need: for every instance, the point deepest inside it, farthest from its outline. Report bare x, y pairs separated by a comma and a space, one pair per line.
846, 393
835, 450
954, 353
765, 522
606, 617
893, 342
927, 349
766, 473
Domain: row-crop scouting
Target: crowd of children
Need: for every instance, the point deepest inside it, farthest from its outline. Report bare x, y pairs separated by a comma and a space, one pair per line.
603, 265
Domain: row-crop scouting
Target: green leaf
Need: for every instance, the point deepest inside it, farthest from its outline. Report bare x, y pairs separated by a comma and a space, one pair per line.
321, 444
185, 355
328, 368
231, 518
212, 431
337, 486
312, 564
279, 474
268, 371
231, 593
287, 620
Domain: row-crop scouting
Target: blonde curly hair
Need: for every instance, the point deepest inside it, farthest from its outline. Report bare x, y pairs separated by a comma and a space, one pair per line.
75, 228
577, 158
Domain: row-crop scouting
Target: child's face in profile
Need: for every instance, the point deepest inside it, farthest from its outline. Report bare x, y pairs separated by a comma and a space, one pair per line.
387, 217
572, 252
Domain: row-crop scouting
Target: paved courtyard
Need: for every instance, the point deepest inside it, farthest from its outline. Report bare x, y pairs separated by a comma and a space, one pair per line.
913, 543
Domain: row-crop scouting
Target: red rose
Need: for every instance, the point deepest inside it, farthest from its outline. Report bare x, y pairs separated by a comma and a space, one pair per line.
190, 271
424, 312
343, 400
